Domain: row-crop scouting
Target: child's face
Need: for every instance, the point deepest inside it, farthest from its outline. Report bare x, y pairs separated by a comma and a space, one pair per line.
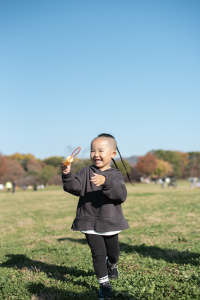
102, 152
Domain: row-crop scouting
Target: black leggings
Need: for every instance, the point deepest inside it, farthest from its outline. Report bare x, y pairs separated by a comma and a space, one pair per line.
102, 246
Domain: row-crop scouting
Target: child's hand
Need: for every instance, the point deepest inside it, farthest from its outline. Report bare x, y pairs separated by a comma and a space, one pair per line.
65, 169
98, 179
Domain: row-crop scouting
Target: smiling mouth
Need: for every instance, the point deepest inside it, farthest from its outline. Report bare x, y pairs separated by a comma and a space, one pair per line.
98, 161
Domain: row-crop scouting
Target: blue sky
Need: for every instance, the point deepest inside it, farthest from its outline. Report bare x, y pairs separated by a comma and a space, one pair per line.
70, 70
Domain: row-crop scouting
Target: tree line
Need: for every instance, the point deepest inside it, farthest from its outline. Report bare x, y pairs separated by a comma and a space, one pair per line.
169, 163
28, 170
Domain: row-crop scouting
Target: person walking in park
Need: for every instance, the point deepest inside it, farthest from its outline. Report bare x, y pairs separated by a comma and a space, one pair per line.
8, 186
99, 214
13, 186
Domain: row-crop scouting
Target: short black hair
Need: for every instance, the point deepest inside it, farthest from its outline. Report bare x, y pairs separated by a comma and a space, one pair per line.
112, 137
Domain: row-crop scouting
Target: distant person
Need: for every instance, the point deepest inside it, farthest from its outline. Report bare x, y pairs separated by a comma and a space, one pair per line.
193, 181
163, 182
155, 179
198, 184
173, 182
99, 214
24, 187
8, 186
167, 180
13, 186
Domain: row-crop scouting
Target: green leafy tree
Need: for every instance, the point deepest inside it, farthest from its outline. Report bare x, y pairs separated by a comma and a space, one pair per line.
172, 157
46, 174
183, 163
79, 164
121, 167
193, 166
54, 161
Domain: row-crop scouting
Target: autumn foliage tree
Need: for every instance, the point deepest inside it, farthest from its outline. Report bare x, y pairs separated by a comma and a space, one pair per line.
22, 158
172, 157
163, 168
33, 165
3, 165
28, 170
14, 171
147, 164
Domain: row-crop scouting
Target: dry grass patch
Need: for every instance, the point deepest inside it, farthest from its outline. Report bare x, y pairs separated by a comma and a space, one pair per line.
25, 222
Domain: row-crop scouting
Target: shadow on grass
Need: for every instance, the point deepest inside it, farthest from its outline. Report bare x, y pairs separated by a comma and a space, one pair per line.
52, 293
22, 262
41, 292
169, 255
155, 252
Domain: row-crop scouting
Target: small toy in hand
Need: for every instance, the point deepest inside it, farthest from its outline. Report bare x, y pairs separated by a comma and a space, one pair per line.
70, 159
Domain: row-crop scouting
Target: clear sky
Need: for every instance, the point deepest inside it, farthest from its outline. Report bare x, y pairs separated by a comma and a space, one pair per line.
70, 70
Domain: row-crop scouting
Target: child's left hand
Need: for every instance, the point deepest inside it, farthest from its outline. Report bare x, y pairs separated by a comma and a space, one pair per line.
98, 179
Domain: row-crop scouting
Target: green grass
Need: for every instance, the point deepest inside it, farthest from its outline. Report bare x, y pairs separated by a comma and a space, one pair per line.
41, 258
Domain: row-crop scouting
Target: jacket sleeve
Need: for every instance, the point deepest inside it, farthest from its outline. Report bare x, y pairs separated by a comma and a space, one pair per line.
115, 189
73, 183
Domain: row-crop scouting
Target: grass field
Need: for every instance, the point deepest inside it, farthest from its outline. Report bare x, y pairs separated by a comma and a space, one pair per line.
41, 258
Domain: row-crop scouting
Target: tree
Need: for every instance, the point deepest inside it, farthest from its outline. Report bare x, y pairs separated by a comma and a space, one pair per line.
79, 164
14, 171
163, 168
184, 161
147, 164
172, 157
22, 158
55, 180
54, 161
121, 166
135, 174
193, 166
17, 156
34, 165
3, 165
31, 179
46, 174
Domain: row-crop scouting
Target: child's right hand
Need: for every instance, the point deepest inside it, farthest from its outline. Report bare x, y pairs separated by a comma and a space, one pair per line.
65, 169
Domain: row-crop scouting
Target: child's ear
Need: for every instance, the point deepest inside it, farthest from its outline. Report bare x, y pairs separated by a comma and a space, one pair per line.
114, 153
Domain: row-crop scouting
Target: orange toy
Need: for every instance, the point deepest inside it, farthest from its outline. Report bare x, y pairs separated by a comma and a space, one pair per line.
70, 159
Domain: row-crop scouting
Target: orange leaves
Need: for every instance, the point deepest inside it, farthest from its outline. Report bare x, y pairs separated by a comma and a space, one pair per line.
147, 164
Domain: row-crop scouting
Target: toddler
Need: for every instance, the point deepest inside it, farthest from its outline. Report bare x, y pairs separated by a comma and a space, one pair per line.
99, 214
